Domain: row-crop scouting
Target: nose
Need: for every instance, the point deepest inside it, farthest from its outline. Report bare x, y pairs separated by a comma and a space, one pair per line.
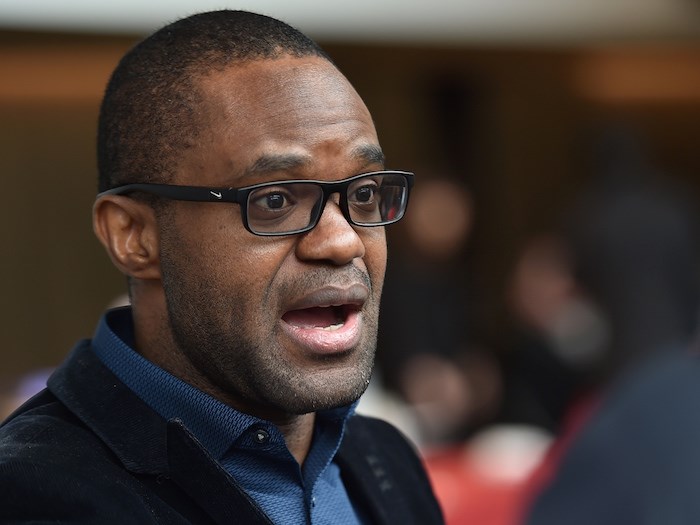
333, 239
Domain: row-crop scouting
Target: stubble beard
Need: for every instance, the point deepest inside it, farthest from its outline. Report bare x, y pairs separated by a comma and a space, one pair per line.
251, 375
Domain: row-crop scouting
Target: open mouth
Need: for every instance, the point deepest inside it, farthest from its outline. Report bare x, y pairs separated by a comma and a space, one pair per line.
329, 318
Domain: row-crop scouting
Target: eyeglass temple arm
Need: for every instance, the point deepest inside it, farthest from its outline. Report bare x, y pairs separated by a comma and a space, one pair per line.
180, 193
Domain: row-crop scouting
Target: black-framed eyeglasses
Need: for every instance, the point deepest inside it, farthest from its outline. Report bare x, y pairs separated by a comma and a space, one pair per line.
295, 206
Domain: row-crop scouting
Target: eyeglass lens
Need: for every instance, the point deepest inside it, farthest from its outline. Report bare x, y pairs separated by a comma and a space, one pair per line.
288, 207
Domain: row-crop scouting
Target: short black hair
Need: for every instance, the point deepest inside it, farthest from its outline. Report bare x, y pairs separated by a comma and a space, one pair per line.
149, 112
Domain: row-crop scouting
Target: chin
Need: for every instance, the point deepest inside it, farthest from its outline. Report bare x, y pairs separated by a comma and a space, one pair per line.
329, 396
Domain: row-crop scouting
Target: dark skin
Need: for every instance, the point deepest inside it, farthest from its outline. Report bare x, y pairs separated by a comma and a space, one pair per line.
211, 301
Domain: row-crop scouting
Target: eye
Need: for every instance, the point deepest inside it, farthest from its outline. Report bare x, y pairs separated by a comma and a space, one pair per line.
272, 200
363, 195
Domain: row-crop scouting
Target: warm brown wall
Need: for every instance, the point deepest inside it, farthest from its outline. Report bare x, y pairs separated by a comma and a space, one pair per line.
513, 129
57, 279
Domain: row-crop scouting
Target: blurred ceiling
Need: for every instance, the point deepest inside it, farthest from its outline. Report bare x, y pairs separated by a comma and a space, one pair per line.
438, 21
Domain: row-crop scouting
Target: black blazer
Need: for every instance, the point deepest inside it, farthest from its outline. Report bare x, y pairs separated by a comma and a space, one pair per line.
88, 450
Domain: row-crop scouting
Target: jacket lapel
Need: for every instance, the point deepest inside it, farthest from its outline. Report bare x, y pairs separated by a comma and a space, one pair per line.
384, 476
201, 477
366, 477
145, 443
135, 433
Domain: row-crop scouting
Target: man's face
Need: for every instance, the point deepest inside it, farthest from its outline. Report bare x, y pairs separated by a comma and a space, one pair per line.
275, 325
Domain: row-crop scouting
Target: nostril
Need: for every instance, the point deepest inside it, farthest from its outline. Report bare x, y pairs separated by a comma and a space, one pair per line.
333, 240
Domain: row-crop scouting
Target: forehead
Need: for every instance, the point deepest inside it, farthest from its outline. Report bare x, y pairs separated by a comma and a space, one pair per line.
301, 108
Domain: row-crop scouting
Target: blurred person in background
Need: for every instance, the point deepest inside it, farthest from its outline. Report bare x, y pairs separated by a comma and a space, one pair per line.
425, 353
561, 337
452, 385
634, 240
635, 459
243, 193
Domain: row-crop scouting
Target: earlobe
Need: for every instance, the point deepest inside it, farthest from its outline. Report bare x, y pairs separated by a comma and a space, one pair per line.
127, 229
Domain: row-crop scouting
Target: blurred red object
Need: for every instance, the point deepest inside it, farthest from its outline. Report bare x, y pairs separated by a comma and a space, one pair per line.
488, 481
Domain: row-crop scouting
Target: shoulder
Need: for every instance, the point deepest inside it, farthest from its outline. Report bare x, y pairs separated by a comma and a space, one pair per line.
646, 430
41, 428
52, 465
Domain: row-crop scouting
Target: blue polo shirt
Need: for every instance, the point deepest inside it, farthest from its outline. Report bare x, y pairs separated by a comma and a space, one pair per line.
252, 450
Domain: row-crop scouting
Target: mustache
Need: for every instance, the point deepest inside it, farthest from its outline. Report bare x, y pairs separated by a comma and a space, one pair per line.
323, 277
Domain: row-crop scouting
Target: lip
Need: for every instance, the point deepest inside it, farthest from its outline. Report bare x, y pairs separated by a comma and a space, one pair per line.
355, 294
323, 341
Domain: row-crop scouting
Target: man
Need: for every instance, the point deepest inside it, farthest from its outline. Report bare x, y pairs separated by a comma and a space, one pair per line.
225, 393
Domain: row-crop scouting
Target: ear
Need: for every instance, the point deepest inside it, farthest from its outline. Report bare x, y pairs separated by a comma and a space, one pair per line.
128, 230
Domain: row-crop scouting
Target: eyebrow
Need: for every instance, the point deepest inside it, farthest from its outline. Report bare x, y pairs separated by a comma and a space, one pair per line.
272, 162
370, 153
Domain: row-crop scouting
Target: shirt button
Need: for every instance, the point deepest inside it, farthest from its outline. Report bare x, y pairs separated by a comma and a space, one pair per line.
261, 436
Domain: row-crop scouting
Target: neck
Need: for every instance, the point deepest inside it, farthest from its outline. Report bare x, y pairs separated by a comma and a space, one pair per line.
154, 341
298, 432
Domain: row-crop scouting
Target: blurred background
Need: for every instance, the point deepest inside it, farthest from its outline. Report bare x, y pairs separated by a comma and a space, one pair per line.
551, 236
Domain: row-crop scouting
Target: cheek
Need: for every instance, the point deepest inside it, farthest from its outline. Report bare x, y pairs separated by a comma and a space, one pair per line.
255, 270
232, 243
253, 266
220, 258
